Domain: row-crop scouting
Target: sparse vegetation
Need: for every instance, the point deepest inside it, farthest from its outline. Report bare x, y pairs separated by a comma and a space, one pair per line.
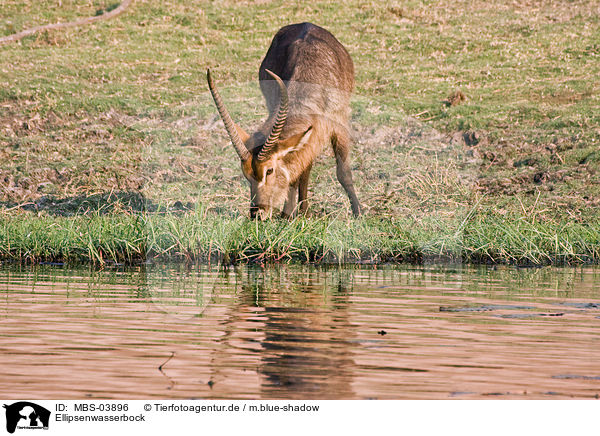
110, 147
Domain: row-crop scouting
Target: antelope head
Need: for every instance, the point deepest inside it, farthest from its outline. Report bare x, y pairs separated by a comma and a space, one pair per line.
262, 159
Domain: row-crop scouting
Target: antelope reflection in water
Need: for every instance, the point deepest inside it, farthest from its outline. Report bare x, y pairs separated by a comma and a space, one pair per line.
287, 319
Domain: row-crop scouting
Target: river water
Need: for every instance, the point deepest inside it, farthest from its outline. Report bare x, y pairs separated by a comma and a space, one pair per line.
300, 332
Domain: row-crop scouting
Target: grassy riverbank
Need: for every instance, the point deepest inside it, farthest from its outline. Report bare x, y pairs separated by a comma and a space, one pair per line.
200, 236
476, 133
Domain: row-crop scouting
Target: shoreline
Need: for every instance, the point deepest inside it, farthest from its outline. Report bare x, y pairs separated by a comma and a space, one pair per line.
200, 237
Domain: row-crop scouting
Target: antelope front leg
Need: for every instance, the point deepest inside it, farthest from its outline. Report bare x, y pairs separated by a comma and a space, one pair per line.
341, 145
303, 189
289, 208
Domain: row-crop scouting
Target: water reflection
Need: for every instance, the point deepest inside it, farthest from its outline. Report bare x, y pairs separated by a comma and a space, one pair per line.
299, 315
300, 332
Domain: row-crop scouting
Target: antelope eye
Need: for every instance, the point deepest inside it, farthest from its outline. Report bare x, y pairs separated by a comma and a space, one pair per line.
269, 171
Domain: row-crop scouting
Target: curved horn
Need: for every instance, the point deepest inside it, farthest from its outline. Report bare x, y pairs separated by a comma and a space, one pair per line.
279, 121
238, 144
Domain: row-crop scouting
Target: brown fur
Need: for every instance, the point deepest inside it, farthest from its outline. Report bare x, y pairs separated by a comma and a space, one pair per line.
319, 75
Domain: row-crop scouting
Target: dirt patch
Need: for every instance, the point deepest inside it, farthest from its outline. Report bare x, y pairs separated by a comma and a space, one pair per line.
107, 202
52, 163
562, 97
456, 98
48, 28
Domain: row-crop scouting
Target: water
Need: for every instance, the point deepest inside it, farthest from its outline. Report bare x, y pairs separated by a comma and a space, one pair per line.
292, 332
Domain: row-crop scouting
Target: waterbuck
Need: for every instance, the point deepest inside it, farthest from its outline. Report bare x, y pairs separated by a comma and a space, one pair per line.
306, 77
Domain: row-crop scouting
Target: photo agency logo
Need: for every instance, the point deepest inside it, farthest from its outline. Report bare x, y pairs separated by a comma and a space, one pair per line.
25, 415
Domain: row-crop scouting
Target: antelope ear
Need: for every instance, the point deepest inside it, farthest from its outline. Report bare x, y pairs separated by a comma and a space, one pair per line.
241, 133
296, 142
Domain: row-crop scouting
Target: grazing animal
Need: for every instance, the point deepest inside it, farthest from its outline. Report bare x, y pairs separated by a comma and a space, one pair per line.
306, 77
